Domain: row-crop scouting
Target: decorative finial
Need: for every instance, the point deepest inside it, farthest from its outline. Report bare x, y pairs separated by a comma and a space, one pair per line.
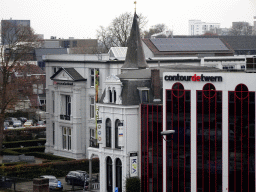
135, 5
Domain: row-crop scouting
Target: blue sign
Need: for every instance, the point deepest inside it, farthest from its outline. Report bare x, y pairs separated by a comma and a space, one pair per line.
116, 189
59, 184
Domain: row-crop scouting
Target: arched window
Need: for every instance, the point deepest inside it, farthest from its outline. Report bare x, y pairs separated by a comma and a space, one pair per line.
114, 91
110, 96
241, 91
178, 90
108, 133
116, 133
109, 175
209, 90
119, 175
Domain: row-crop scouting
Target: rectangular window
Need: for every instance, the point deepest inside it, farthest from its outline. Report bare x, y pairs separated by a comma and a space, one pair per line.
66, 44
66, 138
53, 133
38, 89
209, 139
92, 77
95, 76
53, 102
178, 150
92, 107
144, 94
93, 141
69, 139
74, 43
65, 107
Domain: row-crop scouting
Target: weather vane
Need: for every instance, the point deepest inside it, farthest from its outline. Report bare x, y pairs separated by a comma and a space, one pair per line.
135, 6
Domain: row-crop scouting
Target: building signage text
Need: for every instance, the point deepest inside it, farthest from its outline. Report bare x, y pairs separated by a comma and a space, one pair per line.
63, 83
192, 78
134, 166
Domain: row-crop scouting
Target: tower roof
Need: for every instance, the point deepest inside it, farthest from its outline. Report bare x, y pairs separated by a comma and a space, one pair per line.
135, 58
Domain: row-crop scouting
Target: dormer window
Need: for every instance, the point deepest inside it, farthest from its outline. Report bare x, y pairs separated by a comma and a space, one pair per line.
144, 94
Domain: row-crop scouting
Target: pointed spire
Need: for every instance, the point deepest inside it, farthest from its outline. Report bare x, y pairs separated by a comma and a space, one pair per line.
135, 58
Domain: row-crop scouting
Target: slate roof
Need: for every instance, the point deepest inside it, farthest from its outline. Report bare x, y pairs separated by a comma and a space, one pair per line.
71, 72
187, 46
241, 42
135, 58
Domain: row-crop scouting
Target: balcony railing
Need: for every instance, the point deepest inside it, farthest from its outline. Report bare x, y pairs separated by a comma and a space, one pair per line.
65, 117
251, 67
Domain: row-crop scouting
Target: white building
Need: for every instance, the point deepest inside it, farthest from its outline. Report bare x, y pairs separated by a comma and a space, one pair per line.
197, 27
70, 93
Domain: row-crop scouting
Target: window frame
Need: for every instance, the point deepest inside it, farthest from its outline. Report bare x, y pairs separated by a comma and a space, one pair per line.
141, 91
66, 138
92, 107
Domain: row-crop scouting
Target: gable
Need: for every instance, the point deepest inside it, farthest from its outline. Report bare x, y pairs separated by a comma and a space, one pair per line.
67, 74
63, 76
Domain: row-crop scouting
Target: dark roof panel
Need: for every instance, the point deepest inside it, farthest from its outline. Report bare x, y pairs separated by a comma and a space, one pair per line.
189, 44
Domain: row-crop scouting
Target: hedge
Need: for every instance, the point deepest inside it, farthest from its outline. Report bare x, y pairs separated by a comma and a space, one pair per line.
26, 143
59, 169
133, 184
26, 150
48, 156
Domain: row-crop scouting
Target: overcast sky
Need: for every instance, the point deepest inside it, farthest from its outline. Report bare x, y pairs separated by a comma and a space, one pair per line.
81, 18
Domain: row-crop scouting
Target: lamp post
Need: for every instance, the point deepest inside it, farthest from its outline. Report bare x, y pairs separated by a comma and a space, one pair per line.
165, 149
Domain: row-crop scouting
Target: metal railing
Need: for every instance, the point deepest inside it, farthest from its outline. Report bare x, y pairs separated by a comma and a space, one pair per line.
65, 117
250, 67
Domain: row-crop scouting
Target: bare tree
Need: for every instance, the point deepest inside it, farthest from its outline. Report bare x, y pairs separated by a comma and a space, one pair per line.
16, 49
158, 28
118, 32
240, 28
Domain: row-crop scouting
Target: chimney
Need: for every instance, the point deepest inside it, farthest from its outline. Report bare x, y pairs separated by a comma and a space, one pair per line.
155, 84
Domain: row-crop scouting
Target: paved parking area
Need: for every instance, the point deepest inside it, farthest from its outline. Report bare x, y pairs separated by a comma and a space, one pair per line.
28, 186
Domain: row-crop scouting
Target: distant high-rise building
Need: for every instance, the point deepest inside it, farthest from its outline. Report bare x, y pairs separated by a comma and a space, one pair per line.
11, 31
197, 27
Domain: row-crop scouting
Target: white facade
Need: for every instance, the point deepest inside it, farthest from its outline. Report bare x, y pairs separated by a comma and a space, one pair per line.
131, 135
118, 136
197, 27
81, 126
228, 83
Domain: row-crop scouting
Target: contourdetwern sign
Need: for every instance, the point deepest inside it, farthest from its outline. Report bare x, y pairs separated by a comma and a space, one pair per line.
192, 78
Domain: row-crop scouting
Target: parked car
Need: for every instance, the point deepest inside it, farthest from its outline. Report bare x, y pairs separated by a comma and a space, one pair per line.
77, 178
16, 123
28, 124
40, 123
6, 124
54, 183
10, 120
22, 119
